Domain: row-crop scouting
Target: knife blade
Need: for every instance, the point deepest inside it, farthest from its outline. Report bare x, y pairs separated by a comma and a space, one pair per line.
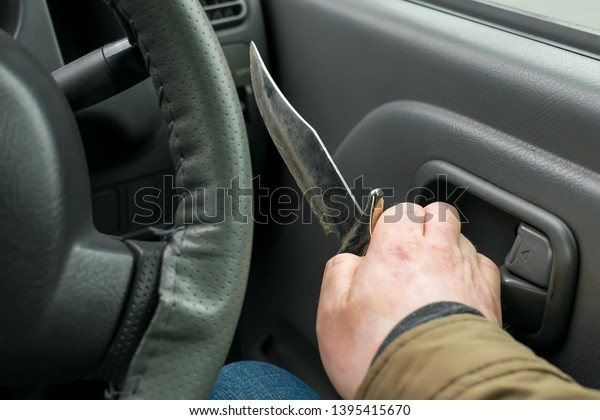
311, 165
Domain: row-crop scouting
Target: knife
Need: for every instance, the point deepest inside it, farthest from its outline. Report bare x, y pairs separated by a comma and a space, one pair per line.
311, 165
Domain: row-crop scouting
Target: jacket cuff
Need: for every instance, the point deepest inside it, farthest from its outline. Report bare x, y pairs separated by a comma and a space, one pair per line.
464, 357
423, 315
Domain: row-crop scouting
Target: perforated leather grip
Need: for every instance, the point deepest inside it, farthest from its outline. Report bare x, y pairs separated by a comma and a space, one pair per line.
205, 265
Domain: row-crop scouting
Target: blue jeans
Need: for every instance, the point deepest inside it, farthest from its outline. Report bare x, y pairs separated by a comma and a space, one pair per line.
259, 381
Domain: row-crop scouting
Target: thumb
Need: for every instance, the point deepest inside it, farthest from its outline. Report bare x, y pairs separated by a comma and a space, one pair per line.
337, 280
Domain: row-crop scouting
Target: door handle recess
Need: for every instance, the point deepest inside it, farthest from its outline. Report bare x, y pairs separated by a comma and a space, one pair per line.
539, 272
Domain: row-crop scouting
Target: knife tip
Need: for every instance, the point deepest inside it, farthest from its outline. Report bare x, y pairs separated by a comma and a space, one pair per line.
254, 54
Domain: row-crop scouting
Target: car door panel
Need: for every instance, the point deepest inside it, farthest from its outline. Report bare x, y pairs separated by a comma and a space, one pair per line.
392, 85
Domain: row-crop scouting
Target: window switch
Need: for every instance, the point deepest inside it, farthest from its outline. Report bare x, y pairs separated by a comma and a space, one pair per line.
531, 257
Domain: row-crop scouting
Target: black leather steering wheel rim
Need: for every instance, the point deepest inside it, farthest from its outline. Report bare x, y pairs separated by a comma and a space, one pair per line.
206, 261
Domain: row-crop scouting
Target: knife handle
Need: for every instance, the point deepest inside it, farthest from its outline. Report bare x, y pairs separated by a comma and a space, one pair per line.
358, 238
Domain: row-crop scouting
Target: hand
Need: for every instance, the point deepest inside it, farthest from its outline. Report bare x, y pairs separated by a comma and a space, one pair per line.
418, 259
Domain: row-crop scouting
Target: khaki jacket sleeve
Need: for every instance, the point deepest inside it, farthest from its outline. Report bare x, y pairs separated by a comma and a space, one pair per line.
465, 357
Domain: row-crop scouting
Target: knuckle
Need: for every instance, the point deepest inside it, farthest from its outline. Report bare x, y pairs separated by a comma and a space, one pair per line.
488, 264
467, 245
404, 210
335, 261
444, 211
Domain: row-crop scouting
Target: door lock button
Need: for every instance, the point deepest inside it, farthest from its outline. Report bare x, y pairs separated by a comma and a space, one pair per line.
531, 256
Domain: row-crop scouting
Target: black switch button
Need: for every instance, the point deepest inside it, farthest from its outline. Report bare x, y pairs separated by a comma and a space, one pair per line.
523, 304
531, 256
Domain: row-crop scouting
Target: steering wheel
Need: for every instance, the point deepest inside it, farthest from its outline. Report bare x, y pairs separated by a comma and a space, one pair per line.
157, 319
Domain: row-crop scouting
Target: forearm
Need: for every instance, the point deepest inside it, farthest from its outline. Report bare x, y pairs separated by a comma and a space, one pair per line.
464, 356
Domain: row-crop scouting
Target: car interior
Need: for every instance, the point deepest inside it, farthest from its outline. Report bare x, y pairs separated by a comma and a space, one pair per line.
494, 109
